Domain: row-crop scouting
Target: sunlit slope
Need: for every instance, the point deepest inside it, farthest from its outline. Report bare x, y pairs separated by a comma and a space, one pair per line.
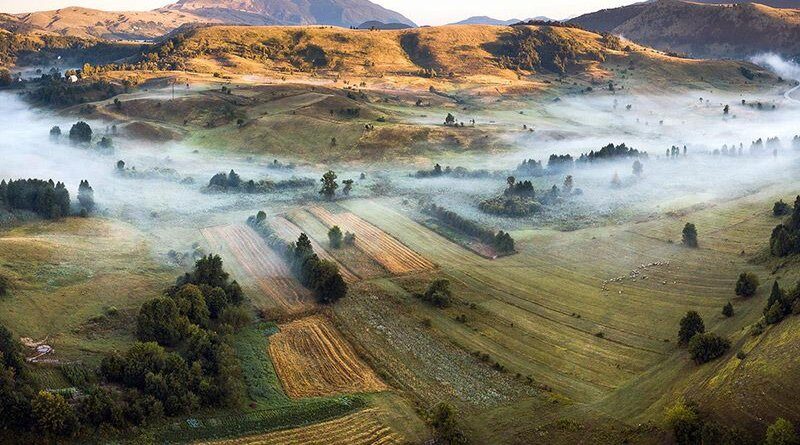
609, 348
706, 30
456, 53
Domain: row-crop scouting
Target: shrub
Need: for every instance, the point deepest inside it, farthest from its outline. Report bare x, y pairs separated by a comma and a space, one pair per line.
781, 208
747, 284
707, 347
781, 432
438, 293
727, 310
684, 421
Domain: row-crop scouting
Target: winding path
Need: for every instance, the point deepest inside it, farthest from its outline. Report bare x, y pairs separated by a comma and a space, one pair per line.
788, 95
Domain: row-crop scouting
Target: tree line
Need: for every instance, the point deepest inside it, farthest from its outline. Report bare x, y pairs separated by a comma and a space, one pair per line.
182, 362
502, 242
321, 276
47, 199
785, 238
233, 183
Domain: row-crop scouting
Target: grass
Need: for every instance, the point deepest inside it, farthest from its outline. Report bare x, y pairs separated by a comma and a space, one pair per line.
68, 274
539, 313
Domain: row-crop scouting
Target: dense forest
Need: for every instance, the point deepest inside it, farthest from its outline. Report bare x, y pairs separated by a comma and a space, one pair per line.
47, 199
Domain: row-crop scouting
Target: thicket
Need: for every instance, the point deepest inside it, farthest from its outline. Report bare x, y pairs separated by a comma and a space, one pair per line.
501, 241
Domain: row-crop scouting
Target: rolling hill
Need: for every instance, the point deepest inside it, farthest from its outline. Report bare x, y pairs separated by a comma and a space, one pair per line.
455, 54
703, 30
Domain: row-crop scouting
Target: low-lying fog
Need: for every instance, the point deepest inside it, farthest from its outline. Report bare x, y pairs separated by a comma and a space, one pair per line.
573, 125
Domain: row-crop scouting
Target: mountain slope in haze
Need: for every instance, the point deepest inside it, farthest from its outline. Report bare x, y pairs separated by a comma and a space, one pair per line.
485, 20
93, 23
791, 4
702, 30
344, 13
133, 25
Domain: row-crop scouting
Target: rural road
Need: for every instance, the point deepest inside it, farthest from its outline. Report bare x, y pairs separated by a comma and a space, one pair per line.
788, 94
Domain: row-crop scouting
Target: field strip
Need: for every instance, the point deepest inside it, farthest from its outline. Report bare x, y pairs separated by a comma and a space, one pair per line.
395, 256
362, 428
313, 359
289, 232
261, 266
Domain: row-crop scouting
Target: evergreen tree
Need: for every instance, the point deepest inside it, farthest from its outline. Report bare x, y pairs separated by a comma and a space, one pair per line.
329, 185
690, 235
691, 324
335, 237
727, 310
80, 133
637, 168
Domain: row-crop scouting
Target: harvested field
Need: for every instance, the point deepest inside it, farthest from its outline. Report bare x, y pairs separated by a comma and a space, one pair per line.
312, 359
393, 255
356, 260
290, 232
362, 428
260, 269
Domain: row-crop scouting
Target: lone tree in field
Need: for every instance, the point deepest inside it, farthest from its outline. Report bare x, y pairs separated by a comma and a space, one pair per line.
450, 119
55, 132
335, 237
727, 310
690, 235
747, 284
348, 187
691, 325
781, 432
442, 419
80, 133
86, 196
329, 185
568, 185
438, 293
637, 168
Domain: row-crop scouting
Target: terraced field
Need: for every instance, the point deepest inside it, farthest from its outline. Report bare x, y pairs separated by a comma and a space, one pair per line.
361, 428
312, 359
393, 255
553, 311
260, 269
290, 232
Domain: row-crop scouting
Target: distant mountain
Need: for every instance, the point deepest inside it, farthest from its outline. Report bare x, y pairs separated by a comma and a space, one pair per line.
344, 13
791, 4
484, 20
703, 29
374, 24
133, 25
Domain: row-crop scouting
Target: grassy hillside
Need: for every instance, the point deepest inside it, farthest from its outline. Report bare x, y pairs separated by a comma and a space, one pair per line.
605, 355
491, 56
703, 30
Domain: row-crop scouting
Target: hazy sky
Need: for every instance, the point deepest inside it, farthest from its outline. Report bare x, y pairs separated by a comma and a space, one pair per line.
424, 12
